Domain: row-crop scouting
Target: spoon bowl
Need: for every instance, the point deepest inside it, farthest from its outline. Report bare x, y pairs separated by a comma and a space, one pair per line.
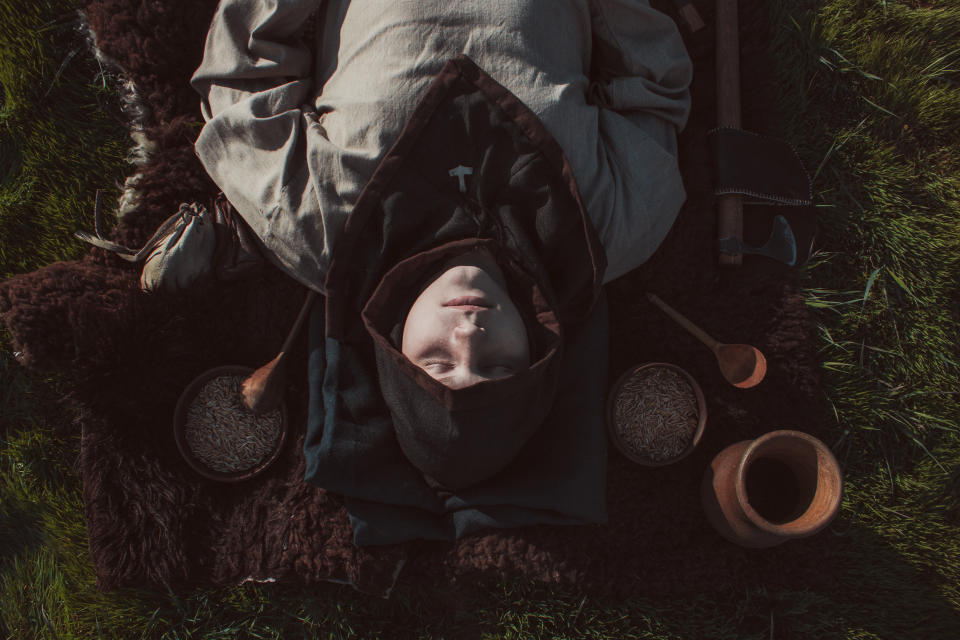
262, 390
742, 366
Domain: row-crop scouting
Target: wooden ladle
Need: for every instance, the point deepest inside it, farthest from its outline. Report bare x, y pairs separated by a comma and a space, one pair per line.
743, 366
263, 389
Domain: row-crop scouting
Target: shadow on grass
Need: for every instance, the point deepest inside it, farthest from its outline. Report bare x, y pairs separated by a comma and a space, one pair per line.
881, 591
21, 529
873, 589
14, 385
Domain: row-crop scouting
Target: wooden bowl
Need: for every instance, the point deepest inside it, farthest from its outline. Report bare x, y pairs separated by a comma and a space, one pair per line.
180, 423
614, 432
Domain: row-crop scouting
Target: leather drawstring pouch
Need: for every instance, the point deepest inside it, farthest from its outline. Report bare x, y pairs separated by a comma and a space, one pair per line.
190, 246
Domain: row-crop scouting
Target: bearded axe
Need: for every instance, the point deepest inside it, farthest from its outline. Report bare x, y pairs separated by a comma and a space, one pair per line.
764, 169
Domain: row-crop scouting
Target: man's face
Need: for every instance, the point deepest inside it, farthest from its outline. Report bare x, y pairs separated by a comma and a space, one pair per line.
463, 328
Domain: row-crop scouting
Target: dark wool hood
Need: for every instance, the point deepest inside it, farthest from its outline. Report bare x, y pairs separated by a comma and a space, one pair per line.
519, 201
459, 437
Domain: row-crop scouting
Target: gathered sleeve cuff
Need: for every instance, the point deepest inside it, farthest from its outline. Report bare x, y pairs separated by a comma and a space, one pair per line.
639, 62
255, 81
252, 46
640, 78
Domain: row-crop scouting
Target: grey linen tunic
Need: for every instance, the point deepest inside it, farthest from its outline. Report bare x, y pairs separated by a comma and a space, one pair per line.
292, 140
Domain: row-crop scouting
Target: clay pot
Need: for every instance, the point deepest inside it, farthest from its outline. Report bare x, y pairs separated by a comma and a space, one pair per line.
783, 485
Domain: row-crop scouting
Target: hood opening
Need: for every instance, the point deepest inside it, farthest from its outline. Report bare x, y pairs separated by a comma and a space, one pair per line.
457, 437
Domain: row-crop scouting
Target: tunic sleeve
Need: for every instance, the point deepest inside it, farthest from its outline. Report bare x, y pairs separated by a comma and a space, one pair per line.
640, 77
254, 81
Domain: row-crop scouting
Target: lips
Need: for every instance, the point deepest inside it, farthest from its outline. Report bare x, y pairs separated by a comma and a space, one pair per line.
473, 302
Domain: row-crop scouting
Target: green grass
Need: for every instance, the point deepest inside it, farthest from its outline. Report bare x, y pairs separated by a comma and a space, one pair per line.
49, 167
874, 106
871, 94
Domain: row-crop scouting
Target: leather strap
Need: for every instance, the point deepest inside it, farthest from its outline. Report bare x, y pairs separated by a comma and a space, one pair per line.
192, 209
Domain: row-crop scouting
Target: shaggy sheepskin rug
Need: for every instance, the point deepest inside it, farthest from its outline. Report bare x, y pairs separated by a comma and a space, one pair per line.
153, 521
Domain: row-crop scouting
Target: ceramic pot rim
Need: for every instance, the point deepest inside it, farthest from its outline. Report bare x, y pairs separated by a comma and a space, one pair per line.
783, 530
611, 422
180, 419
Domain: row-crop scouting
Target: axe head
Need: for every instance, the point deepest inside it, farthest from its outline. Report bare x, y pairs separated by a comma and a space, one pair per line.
781, 245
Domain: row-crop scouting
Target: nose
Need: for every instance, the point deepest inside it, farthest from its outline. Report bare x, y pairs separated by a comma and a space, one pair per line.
467, 330
467, 344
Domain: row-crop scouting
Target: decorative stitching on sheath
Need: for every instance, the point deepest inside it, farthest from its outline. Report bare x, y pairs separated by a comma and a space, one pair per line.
766, 197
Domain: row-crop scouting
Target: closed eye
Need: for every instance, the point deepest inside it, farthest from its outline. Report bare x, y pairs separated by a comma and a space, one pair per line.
437, 366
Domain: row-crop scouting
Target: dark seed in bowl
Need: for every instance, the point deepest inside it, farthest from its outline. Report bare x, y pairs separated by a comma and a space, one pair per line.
656, 415
223, 434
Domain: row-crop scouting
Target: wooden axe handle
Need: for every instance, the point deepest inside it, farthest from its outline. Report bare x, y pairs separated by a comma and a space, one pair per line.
729, 206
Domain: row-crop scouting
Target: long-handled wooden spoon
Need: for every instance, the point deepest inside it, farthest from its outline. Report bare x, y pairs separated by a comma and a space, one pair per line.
263, 390
743, 366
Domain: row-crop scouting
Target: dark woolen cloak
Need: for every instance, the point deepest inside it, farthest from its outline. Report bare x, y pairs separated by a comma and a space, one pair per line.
416, 459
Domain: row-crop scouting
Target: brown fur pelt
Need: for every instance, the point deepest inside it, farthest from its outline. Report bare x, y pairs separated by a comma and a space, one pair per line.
152, 521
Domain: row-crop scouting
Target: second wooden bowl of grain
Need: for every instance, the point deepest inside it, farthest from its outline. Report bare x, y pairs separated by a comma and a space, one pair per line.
218, 436
656, 414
